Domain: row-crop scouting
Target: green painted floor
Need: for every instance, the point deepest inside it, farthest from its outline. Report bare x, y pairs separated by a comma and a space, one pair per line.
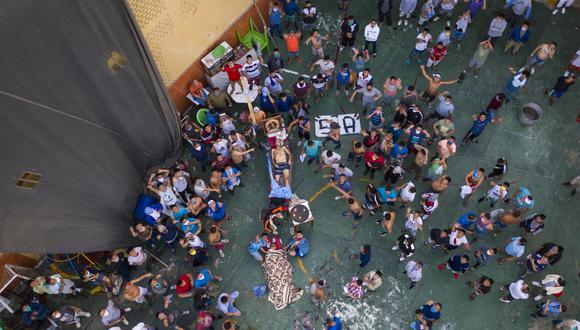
540, 157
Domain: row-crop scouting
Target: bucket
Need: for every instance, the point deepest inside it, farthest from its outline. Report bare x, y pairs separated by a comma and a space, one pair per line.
530, 114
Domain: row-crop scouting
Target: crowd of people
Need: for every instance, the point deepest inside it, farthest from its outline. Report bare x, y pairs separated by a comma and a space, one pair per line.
417, 144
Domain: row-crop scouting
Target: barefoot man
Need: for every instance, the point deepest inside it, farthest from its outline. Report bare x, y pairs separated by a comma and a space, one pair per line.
539, 56
281, 161
355, 209
434, 83
316, 39
136, 293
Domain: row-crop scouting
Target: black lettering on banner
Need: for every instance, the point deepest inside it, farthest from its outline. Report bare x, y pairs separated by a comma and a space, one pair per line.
348, 124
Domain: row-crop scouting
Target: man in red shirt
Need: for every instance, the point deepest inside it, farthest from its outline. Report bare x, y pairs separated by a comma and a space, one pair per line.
233, 70
373, 161
436, 55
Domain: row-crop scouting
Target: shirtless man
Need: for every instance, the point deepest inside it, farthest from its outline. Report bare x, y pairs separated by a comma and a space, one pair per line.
136, 293
473, 179
441, 184
238, 154
215, 182
257, 118
513, 217
281, 161
539, 56
196, 205
355, 209
316, 39
387, 222
434, 83
333, 135
357, 152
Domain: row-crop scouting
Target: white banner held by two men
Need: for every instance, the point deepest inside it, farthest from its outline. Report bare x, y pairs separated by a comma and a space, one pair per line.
349, 124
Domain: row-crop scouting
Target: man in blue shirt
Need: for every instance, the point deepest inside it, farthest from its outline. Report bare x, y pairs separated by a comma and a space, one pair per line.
299, 246
343, 79
431, 312
479, 123
333, 323
467, 220
399, 151
514, 249
258, 245
284, 105
550, 308
291, 13
275, 19
200, 154
312, 149
519, 36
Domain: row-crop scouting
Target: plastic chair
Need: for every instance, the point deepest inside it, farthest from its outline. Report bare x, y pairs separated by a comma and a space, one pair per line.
200, 116
254, 36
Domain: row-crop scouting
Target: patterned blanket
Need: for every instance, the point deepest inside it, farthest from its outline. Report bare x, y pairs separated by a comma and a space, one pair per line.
278, 274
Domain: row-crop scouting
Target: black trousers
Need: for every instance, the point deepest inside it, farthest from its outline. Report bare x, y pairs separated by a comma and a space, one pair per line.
386, 17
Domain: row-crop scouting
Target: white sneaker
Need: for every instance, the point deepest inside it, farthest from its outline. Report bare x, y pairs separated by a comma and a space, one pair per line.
395, 248
538, 297
406, 22
78, 324
225, 240
448, 23
221, 253
127, 310
125, 322
186, 312
536, 283
400, 22
436, 18
563, 10
555, 11
88, 314
532, 70
299, 143
401, 259
337, 197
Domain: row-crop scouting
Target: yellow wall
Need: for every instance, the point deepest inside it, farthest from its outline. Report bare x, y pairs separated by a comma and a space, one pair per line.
179, 31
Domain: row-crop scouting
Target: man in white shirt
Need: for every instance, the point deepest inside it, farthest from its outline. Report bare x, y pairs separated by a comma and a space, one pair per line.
515, 84
372, 31
414, 271
326, 67
516, 291
447, 10
423, 40
251, 69
407, 193
328, 158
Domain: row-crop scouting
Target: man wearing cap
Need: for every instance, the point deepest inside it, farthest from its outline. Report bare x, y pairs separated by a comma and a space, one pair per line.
217, 211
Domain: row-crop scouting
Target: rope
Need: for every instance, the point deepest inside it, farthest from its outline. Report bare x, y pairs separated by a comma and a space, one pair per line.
61, 260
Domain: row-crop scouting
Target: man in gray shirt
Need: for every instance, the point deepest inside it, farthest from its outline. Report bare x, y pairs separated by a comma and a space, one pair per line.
444, 109
520, 9
370, 95
112, 315
496, 27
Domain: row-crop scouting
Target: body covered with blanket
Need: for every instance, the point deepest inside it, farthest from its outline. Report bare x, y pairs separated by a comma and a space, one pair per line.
278, 274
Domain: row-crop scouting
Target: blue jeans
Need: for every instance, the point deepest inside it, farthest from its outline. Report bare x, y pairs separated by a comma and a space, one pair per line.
510, 90
457, 35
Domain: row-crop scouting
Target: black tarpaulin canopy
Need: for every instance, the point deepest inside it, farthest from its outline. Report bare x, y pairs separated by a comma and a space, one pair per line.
89, 131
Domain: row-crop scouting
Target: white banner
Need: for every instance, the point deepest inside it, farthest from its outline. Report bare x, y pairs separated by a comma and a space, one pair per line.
349, 124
